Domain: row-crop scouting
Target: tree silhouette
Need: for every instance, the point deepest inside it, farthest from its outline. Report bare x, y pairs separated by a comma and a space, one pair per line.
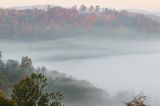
30, 92
26, 65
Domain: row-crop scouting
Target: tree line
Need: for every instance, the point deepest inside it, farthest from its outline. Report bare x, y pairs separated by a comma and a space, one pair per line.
23, 85
57, 21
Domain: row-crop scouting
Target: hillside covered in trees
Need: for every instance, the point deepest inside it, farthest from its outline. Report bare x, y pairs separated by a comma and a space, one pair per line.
63, 34
75, 92
53, 22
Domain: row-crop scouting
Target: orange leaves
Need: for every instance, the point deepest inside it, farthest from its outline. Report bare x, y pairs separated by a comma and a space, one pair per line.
35, 20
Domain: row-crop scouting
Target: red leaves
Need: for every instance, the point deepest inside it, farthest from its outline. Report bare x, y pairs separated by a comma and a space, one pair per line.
58, 17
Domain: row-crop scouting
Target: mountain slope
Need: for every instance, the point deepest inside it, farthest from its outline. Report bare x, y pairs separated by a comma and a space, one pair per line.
58, 21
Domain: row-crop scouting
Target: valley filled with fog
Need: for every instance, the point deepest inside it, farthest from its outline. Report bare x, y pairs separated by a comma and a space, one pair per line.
109, 63
95, 56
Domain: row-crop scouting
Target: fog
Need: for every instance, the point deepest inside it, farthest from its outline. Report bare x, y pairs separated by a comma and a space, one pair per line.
109, 63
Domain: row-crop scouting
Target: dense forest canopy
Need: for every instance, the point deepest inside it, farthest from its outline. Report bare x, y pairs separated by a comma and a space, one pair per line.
55, 21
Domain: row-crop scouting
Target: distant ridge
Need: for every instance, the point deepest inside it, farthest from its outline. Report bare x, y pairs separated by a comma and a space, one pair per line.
48, 21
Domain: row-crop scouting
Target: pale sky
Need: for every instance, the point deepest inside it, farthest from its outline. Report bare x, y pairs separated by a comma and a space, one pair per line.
152, 5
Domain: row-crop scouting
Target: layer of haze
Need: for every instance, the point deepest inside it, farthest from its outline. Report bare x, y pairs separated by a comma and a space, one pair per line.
151, 5
111, 64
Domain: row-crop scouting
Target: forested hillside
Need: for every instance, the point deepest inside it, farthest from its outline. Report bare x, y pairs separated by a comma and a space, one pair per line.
85, 41
75, 92
30, 24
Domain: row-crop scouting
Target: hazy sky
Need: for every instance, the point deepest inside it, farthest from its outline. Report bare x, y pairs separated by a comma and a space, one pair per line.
153, 5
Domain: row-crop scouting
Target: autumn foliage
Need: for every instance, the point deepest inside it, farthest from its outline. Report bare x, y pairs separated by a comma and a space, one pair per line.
6, 102
54, 20
139, 100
